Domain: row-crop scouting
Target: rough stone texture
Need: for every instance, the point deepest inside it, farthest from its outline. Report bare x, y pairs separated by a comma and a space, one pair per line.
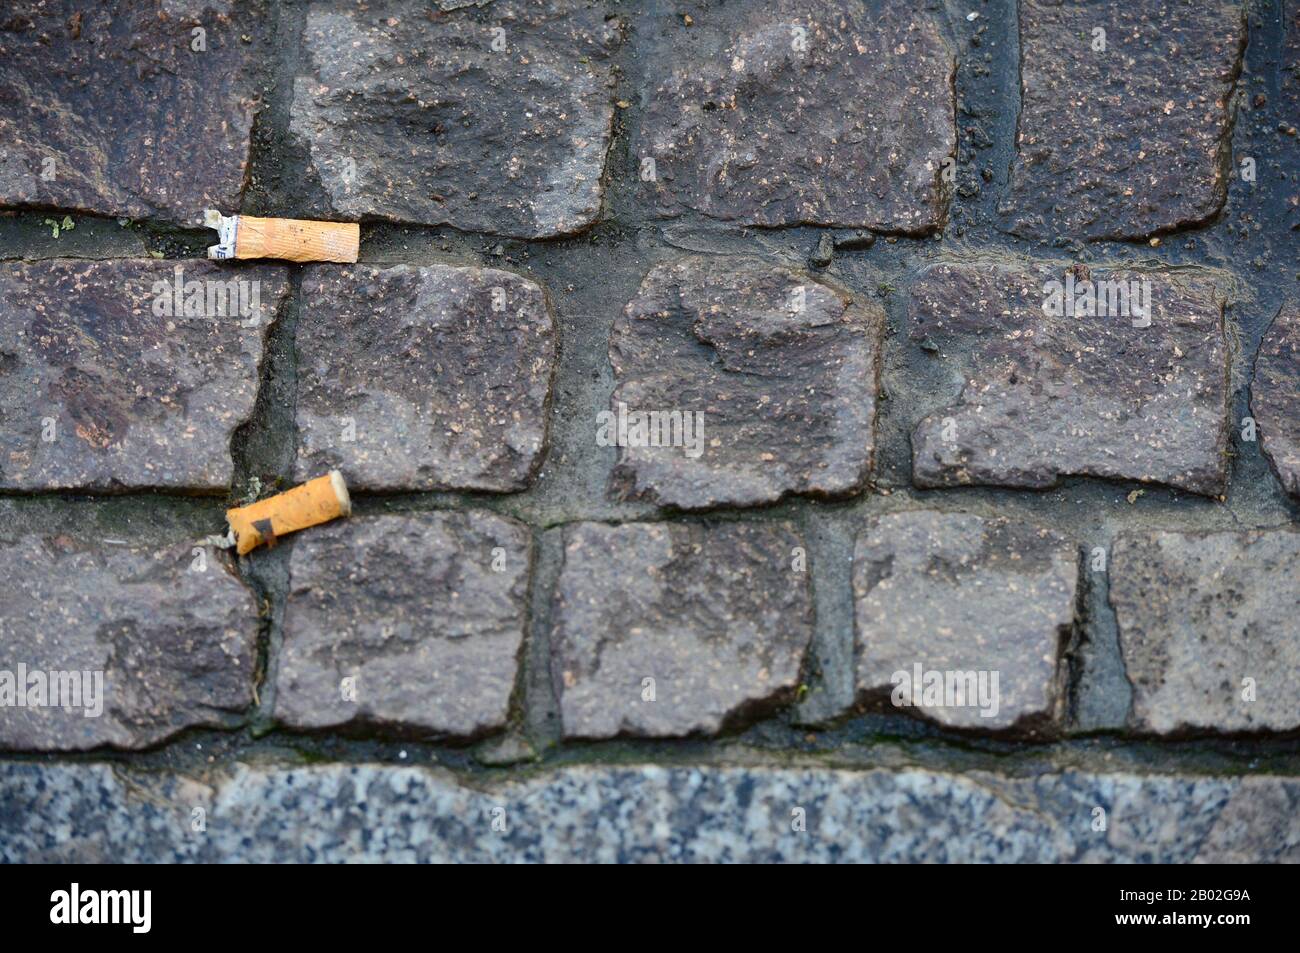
176, 644
1291, 68
412, 609
1275, 397
877, 783
1130, 142
1200, 612
715, 614
1042, 397
443, 391
852, 130
956, 593
134, 121
788, 396
136, 399
410, 115
59, 813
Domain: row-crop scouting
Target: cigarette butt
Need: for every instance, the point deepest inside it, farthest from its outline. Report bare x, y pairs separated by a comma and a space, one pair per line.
291, 239
316, 501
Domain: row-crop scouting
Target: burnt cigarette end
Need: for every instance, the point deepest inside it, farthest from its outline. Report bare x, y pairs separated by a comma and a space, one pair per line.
314, 502
265, 529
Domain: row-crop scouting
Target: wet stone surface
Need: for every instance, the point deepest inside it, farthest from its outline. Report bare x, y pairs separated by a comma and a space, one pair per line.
129, 374
112, 109
495, 119
628, 652
1291, 68
954, 593
1275, 397
56, 813
423, 378
154, 640
410, 623
801, 112
1127, 141
1039, 396
667, 629
772, 373
1198, 614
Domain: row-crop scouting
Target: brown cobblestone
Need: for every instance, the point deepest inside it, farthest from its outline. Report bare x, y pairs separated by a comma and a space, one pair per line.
171, 632
104, 386
1044, 396
112, 109
1132, 140
778, 371
410, 378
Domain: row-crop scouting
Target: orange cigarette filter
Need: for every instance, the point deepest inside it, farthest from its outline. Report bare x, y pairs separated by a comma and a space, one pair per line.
290, 239
316, 501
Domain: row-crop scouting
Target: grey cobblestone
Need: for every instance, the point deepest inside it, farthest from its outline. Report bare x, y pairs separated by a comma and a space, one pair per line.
1275, 398
504, 120
803, 112
1291, 67
941, 595
666, 629
1207, 624
565, 649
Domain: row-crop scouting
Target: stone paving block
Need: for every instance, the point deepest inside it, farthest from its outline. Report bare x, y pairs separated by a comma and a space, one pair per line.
796, 112
777, 371
495, 119
1127, 141
1198, 614
716, 617
141, 643
412, 623
423, 378
59, 813
982, 605
121, 375
1038, 395
1275, 397
123, 109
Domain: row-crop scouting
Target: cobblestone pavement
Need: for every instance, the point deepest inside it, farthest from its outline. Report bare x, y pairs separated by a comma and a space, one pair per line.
972, 328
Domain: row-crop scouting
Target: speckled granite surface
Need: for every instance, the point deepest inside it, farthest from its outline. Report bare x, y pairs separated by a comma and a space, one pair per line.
370, 813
